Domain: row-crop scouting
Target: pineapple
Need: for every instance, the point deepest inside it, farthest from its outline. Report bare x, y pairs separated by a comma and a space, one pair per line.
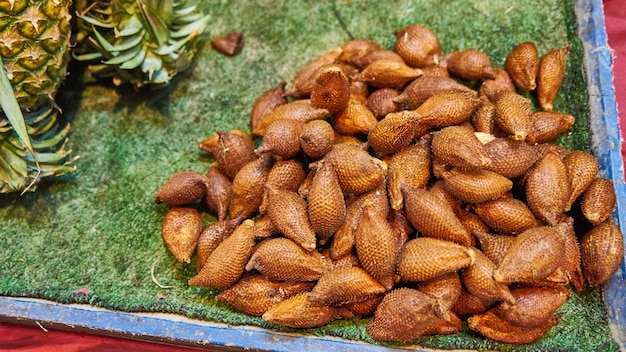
138, 41
34, 43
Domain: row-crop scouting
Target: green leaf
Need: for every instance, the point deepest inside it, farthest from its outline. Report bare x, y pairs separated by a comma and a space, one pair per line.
122, 45
12, 110
151, 64
50, 142
102, 41
131, 27
160, 76
125, 55
185, 11
16, 161
87, 57
197, 27
166, 9
96, 22
155, 24
135, 61
50, 158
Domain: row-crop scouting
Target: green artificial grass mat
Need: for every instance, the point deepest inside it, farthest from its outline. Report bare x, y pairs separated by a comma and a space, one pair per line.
99, 228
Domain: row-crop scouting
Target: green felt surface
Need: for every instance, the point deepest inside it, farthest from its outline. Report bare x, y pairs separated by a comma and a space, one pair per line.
99, 228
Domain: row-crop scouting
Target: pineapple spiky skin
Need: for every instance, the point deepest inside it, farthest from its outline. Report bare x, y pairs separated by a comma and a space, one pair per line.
142, 42
34, 43
34, 47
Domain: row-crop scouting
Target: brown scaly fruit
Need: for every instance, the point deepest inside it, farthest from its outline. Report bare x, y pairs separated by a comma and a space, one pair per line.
403, 315
533, 255
326, 207
299, 312
180, 230
226, 263
601, 251
344, 285
522, 64
282, 259
255, 295
182, 188
492, 326
426, 258
377, 247
550, 76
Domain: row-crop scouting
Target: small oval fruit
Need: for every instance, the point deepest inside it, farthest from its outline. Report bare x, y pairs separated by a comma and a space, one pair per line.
226, 263
417, 45
282, 259
355, 120
550, 76
601, 252
447, 109
506, 216
211, 237
476, 186
326, 207
404, 314
317, 138
386, 73
377, 246
180, 229
433, 217
426, 258
358, 172
549, 125
548, 189
533, 306
304, 80
522, 64
282, 138
265, 104
514, 115
331, 90
182, 188
299, 312
343, 285
255, 295
288, 212
394, 132
469, 64
599, 200
459, 146
229, 44
248, 187
219, 192
582, 168
381, 102
533, 255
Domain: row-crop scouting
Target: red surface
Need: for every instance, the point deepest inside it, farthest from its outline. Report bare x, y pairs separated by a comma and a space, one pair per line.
23, 338
15, 337
615, 20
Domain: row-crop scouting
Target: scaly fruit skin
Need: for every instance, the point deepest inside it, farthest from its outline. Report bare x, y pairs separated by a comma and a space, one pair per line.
34, 38
140, 42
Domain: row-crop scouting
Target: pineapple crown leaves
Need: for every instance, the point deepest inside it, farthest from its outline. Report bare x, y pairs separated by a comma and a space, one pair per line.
21, 169
140, 41
12, 110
